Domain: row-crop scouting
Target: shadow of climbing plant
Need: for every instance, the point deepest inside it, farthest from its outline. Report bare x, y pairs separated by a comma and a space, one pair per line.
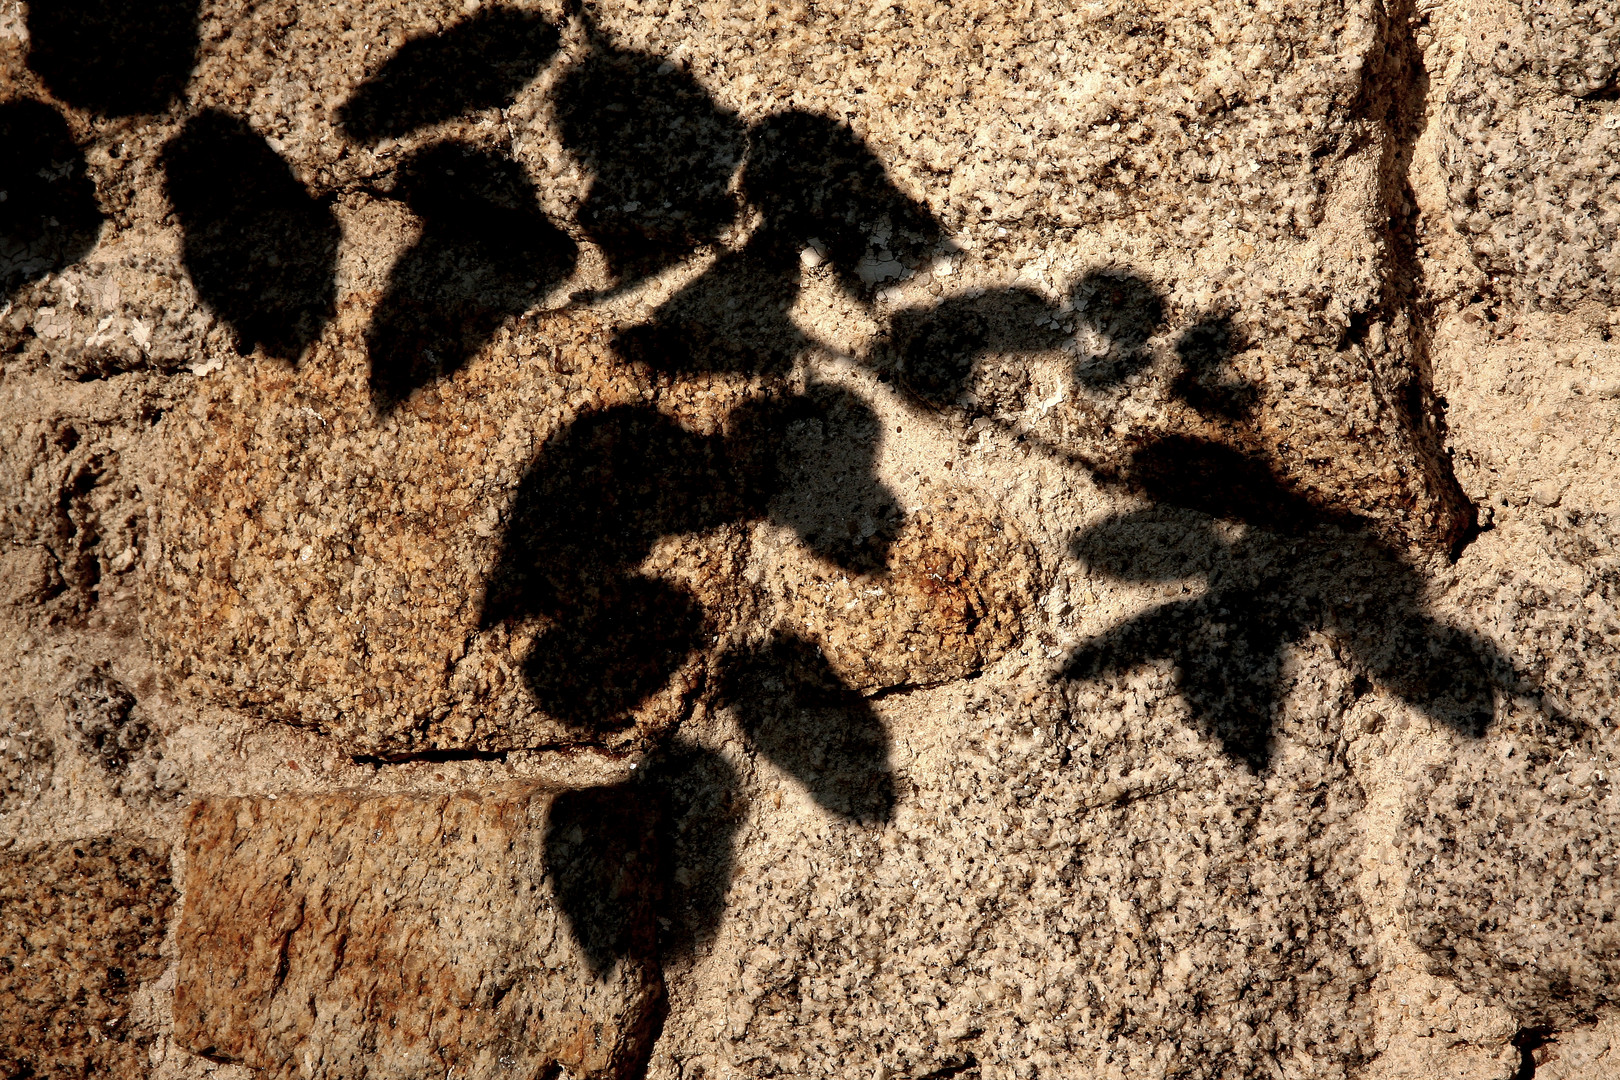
669, 171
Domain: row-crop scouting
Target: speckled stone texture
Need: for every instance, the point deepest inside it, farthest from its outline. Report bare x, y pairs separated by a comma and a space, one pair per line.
1076, 927
82, 925
1069, 540
1533, 140
344, 935
331, 567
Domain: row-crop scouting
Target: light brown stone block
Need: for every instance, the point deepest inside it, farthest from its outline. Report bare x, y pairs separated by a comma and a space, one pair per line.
401, 936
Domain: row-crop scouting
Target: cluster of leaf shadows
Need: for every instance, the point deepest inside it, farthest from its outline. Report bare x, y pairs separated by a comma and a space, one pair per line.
670, 172
84, 53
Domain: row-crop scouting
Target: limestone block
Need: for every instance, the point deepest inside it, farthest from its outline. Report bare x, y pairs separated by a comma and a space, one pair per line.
81, 927
346, 935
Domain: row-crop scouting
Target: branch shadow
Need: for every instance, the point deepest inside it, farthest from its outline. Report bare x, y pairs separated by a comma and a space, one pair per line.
597, 498
1265, 590
936, 350
817, 187
1294, 566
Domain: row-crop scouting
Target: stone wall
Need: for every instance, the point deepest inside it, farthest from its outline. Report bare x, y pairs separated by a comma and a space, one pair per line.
807, 538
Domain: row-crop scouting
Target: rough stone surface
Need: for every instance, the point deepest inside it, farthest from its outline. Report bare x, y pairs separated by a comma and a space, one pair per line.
953, 599
331, 566
1513, 894
345, 935
81, 928
1074, 541
1028, 910
1532, 140
26, 751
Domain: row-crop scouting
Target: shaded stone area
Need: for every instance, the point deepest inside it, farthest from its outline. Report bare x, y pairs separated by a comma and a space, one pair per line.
81, 927
342, 935
49, 218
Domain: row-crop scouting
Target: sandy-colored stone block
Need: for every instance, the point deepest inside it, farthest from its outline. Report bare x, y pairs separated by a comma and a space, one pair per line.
399, 936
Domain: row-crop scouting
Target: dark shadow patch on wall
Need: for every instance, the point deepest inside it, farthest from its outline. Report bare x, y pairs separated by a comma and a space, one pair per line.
600, 864
816, 185
1266, 589
1124, 311
660, 153
486, 252
701, 803
113, 57
483, 62
797, 713
260, 249
49, 218
683, 805
937, 349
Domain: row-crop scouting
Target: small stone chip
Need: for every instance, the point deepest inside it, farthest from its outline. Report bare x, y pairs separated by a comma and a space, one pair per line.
342, 935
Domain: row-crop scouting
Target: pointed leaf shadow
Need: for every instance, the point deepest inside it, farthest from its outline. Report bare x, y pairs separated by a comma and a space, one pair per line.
1125, 311
938, 348
1267, 590
486, 252
588, 511
601, 493
482, 62
699, 795
682, 808
50, 217
260, 249
602, 862
800, 715
598, 661
813, 178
